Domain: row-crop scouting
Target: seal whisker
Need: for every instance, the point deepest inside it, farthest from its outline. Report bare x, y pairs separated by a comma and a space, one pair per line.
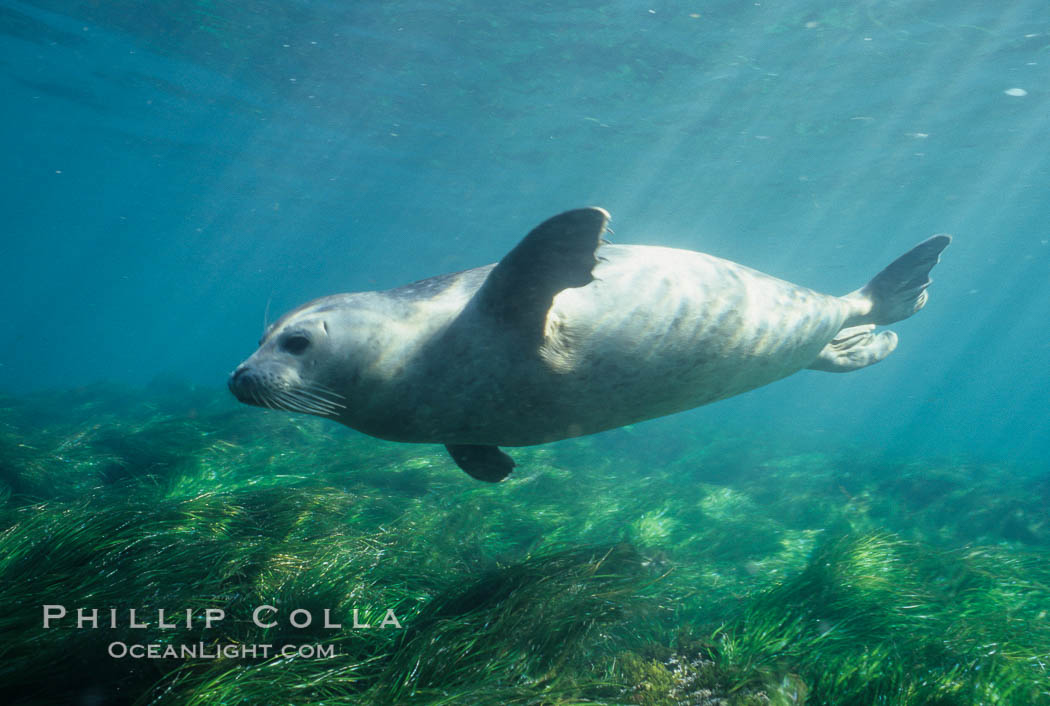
278, 401
322, 400
314, 394
253, 394
311, 399
265, 396
310, 409
319, 395
286, 402
266, 399
316, 397
314, 385
293, 401
322, 389
291, 405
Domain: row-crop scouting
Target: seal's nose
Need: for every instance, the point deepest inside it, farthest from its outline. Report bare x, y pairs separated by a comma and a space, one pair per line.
234, 381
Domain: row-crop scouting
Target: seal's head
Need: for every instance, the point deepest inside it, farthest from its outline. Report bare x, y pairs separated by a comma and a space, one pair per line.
292, 367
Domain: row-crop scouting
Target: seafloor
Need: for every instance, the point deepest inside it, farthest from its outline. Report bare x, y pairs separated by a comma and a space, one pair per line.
711, 569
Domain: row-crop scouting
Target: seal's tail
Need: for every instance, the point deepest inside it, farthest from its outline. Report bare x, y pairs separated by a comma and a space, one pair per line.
896, 293
899, 290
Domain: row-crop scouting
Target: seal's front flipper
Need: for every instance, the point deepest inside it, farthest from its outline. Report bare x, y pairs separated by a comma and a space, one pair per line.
899, 290
558, 254
853, 348
485, 463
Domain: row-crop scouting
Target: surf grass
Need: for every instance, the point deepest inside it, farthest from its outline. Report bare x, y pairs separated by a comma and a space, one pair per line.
720, 571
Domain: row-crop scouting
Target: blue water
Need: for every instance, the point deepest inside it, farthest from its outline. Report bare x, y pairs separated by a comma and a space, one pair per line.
170, 169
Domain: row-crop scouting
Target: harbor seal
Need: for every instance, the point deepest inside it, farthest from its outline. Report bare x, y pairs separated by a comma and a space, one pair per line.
566, 335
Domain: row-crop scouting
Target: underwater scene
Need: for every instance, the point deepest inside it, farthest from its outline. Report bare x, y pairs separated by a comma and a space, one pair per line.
623, 353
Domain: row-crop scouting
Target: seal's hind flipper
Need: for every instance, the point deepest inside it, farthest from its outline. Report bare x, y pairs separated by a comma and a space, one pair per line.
899, 290
485, 463
558, 254
854, 348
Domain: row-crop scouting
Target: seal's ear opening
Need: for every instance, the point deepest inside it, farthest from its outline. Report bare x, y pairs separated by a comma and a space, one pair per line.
557, 254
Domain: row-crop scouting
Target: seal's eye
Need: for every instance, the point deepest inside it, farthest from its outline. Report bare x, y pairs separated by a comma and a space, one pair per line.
295, 344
